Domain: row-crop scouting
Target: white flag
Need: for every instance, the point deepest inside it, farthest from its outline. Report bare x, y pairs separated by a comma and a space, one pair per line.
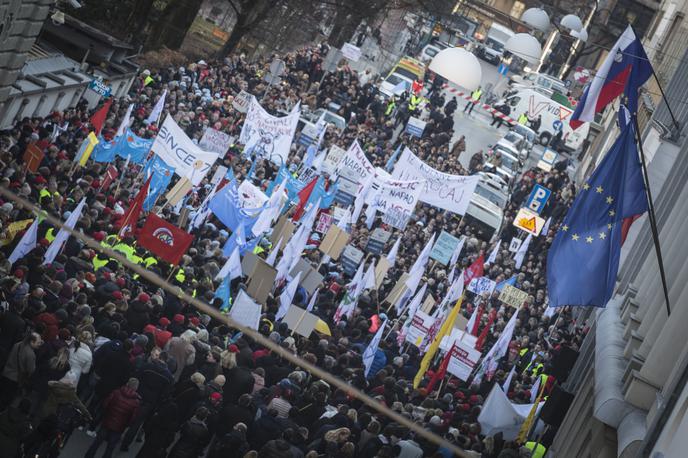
157, 109
370, 216
369, 353
369, 278
26, 244
534, 390
232, 266
457, 251
318, 161
126, 122
415, 303
498, 350
495, 252
271, 211
456, 289
471, 321
392, 255
272, 257
344, 222
521, 253
287, 297
418, 268
450, 277
63, 235
507, 382
545, 228
314, 299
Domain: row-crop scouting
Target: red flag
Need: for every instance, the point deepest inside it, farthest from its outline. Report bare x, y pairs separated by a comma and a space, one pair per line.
478, 318
98, 118
475, 270
163, 239
304, 195
111, 175
440, 372
483, 335
132, 215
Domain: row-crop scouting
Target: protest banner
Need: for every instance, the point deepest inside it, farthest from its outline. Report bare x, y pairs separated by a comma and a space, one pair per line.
241, 101
420, 325
178, 191
444, 248
338, 214
442, 190
377, 240
266, 135
381, 269
396, 217
355, 165
245, 311
513, 296
215, 141
332, 160
334, 242
324, 222
283, 230
351, 258
307, 175
529, 221
351, 52
515, 244
346, 191
310, 278
387, 195
219, 174
33, 156
260, 280
300, 321
250, 196
482, 286
177, 150
462, 360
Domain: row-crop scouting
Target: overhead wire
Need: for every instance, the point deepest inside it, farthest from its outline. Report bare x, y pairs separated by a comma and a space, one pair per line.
253, 334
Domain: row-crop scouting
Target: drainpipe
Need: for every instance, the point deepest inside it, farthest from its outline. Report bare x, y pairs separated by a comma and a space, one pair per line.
610, 406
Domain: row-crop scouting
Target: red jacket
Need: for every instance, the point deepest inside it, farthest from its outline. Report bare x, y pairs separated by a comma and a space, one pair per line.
52, 325
121, 408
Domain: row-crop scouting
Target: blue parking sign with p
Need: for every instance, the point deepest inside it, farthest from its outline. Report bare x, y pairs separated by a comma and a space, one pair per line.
538, 198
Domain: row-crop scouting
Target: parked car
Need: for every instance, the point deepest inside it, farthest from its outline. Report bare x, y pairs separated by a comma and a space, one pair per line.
516, 143
508, 167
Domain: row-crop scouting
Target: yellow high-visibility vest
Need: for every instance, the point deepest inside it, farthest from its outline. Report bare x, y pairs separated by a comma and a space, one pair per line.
50, 234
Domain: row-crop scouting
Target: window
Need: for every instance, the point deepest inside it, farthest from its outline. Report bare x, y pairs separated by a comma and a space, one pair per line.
514, 101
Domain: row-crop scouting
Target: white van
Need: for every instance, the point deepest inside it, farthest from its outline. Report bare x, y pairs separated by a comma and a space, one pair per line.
555, 116
495, 40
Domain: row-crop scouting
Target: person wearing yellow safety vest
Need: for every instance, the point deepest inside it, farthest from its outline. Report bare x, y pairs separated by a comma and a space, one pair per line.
50, 234
180, 276
523, 119
391, 105
475, 98
537, 450
414, 101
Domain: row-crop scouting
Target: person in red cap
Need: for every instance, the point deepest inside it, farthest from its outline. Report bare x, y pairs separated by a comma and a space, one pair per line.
177, 325
160, 333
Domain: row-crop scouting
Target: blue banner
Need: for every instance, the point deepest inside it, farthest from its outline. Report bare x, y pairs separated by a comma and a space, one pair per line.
135, 147
162, 175
104, 151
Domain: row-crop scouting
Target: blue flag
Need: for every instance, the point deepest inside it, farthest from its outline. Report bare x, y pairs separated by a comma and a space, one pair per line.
223, 293
293, 185
511, 282
162, 174
227, 207
393, 159
104, 151
326, 198
583, 261
133, 146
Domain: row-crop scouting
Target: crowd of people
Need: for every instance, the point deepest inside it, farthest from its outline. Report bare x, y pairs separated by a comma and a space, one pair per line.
99, 347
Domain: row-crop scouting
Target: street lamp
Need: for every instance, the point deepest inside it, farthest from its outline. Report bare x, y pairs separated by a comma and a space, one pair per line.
572, 22
458, 66
537, 18
525, 46
582, 35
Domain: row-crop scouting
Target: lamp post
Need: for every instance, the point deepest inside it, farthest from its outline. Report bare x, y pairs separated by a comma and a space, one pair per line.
458, 66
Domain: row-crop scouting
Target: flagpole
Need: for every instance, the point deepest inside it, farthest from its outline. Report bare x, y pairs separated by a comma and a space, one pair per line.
651, 213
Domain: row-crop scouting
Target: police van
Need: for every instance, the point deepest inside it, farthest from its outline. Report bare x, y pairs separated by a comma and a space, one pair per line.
536, 102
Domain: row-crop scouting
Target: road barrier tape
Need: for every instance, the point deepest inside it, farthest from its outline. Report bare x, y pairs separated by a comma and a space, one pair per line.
489, 108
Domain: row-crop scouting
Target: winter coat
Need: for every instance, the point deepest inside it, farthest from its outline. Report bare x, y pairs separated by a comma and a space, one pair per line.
184, 353
231, 414
14, 428
12, 328
80, 359
60, 394
160, 432
21, 363
137, 316
52, 325
121, 408
155, 380
112, 365
187, 395
239, 381
194, 438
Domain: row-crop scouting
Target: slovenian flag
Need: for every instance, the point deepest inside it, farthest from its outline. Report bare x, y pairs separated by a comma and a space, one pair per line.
625, 69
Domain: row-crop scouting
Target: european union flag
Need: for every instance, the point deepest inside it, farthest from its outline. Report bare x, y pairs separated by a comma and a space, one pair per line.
584, 258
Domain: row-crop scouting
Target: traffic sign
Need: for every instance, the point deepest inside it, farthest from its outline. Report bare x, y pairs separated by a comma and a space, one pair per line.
529, 221
538, 198
503, 69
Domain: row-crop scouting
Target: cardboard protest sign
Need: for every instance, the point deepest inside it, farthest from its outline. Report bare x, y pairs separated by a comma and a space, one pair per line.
310, 278
377, 241
178, 191
351, 258
351, 52
444, 248
442, 190
482, 286
428, 304
334, 242
355, 165
300, 321
283, 230
215, 141
457, 335
324, 222
332, 160
420, 325
245, 311
260, 280
415, 126
398, 290
346, 191
462, 360
177, 150
515, 244
513, 296
266, 135
381, 269
33, 156
241, 101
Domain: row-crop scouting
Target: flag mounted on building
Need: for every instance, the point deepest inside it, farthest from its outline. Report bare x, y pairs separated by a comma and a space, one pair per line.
583, 261
625, 69
163, 239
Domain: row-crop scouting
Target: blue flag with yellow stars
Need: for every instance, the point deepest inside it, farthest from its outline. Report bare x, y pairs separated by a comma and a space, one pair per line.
583, 260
